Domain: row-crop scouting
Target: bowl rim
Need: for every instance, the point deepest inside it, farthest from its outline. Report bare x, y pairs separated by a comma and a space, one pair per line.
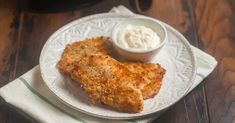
115, 31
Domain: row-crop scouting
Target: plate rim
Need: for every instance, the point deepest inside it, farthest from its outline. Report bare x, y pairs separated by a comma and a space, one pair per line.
68, 25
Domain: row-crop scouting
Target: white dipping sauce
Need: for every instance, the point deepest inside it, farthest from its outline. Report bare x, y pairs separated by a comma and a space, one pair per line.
137, 37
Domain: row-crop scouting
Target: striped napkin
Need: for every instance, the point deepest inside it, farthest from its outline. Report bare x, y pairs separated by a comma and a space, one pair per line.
29, 93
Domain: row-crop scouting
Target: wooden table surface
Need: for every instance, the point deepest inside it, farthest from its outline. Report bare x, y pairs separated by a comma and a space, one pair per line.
207, 24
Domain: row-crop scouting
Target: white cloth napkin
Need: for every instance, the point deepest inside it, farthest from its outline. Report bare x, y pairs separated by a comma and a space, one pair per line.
32, 96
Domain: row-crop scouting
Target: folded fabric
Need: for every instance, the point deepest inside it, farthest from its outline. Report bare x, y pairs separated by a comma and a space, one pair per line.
30, 94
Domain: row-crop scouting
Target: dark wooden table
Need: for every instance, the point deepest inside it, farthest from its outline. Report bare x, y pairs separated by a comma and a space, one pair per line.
207, 24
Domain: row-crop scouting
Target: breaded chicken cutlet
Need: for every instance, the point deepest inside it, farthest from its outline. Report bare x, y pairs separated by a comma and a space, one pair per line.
77, 56
77, 50
152, 75
107, 81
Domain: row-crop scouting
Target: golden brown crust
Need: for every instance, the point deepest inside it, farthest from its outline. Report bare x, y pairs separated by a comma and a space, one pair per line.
106, 80
88, 62
77, 50
152, 74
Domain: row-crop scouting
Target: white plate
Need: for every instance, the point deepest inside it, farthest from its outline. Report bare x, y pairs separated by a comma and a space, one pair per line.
176, 57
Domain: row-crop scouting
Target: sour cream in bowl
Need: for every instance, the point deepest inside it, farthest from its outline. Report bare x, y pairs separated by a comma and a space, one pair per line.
139, 39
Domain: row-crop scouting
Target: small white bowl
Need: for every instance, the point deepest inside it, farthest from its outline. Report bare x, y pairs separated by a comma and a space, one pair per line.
139, 55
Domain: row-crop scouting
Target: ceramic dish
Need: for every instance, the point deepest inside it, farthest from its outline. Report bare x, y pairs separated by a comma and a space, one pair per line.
176, 57
139, 55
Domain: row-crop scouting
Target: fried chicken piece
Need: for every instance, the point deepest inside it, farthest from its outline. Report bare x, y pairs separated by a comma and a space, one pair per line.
152, 74
108, 81
77, 50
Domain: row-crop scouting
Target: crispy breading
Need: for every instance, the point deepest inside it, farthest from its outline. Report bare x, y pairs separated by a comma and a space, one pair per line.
152, 74
79, 53
107, 81
77, 50
101, 45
